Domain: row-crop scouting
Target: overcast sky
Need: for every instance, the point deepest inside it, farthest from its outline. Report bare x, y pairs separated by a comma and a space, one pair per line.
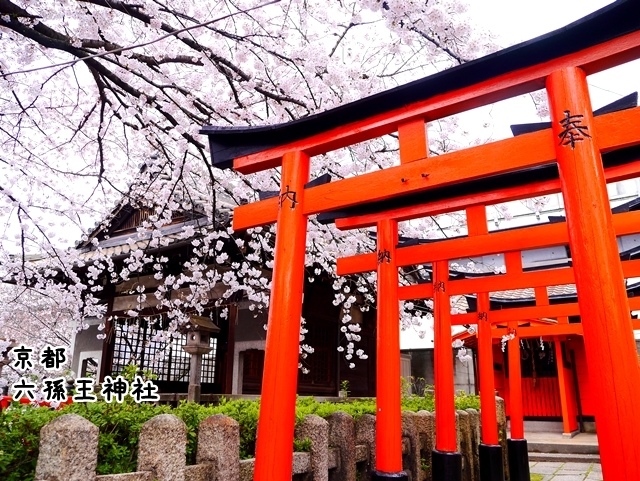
519, 20
514, 21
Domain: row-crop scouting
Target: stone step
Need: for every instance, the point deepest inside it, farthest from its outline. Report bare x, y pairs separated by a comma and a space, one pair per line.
562, 448
563, 457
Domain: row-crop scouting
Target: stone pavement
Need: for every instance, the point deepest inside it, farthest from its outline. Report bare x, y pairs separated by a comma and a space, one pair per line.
566, 471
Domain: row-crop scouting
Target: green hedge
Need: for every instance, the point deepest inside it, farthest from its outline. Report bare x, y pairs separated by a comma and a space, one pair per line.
120, 426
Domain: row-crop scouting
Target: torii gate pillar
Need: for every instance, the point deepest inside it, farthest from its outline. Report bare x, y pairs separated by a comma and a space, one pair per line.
490, 450
274, 455
446, 461
388, 411
517, 448
608, 332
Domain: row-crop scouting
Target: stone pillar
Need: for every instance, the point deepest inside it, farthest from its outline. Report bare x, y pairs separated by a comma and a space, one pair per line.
366, 434
501, 415
162, 447
68, 450
465, 445
474, 434
411, 459
342, 437
219, 445
195, 370
316, 430
424, 422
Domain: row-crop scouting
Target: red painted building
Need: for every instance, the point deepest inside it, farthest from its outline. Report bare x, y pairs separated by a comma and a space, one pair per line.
555, 384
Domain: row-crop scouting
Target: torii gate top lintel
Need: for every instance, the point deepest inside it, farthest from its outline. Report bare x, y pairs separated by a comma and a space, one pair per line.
254, 148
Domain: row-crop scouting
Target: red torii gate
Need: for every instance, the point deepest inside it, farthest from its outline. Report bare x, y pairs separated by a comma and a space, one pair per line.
560, 62
479, 242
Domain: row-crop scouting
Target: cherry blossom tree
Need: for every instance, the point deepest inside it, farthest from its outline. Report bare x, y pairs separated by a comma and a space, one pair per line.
90, 90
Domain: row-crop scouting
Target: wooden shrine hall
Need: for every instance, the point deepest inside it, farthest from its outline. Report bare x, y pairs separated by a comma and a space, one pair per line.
577, 156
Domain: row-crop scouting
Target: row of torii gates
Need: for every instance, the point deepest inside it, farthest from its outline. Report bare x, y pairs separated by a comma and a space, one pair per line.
469, 180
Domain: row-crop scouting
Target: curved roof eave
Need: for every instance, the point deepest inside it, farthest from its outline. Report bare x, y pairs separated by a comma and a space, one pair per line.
619, 18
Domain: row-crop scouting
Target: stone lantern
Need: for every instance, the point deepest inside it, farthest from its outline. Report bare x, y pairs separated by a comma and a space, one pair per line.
198, 343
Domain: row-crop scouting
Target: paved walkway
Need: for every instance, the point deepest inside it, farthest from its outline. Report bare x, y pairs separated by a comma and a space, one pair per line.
566, 471
564, 459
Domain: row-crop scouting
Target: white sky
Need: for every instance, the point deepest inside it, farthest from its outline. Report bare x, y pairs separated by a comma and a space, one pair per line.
515, 21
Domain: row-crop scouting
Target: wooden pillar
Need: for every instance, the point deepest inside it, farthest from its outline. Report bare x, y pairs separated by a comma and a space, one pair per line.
516, 417
611, 355
490, 451
517, 449
413, 146
513, 261
567, 394
388, 416
487, 383
413, 141
446, 461
477, 225
108, 345
443, 362
274, 444
226, 372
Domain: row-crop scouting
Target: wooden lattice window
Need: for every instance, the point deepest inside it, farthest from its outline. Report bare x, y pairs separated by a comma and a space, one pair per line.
138, 341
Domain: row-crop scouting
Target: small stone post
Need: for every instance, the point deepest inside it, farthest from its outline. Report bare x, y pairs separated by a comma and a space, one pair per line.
162, 447
316, 430
68, 450
474, 432
342, 437
465, 446
366, 434
412, 458
425, 425
501, 414
219, 445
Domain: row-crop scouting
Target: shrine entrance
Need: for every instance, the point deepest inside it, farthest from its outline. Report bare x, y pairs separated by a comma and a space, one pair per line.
469, 179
